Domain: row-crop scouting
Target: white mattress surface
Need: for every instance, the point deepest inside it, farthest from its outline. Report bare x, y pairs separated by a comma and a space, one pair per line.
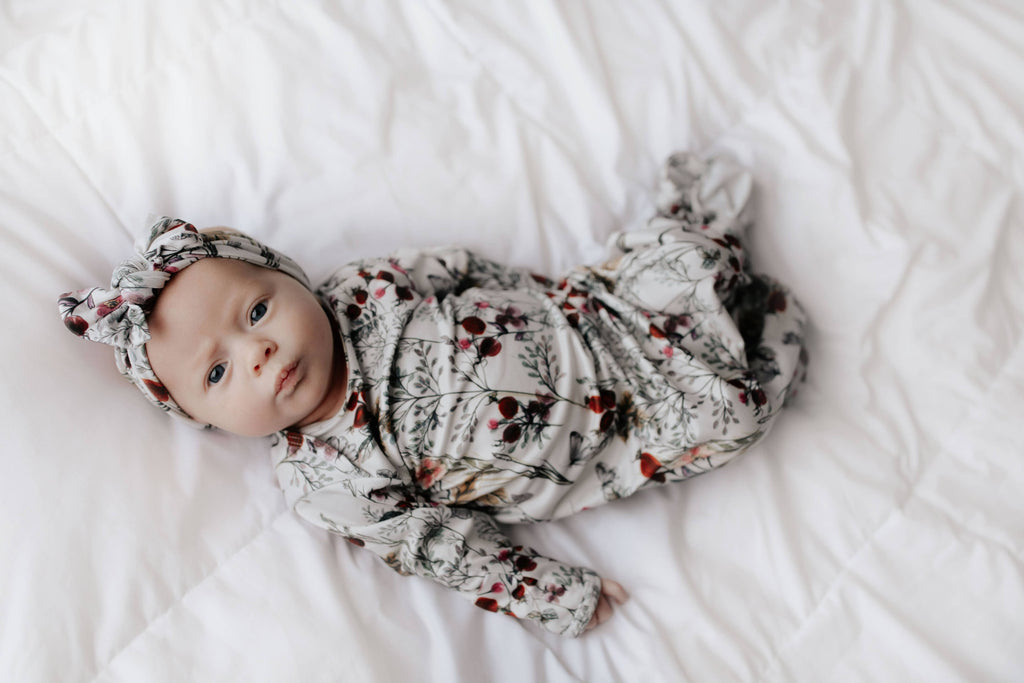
877, 534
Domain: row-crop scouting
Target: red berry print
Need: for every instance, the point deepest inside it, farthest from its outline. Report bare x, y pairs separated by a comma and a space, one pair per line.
159, 391
490, 347
525, 564
474, 325
512, 433
489, 604
777, 301
508, 407
360, 296
76, 324
362, 417
607, 399
649, 465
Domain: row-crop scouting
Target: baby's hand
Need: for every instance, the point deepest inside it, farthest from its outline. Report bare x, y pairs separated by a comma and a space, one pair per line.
611, 591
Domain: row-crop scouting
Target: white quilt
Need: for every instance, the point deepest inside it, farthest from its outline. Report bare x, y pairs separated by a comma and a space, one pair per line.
877, 534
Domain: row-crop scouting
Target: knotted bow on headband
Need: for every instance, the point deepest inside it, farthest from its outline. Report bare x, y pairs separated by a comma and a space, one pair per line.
117, 316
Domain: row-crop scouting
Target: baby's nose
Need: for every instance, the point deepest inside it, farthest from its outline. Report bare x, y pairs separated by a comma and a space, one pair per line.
263, 352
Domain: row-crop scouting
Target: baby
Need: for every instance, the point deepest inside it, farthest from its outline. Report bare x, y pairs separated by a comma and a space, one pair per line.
416, 402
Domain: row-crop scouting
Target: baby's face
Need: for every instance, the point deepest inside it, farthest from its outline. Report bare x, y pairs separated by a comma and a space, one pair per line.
244, 348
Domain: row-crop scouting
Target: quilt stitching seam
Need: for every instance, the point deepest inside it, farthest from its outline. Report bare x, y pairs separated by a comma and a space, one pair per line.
768, 92
776, 658
71, 157
150, 623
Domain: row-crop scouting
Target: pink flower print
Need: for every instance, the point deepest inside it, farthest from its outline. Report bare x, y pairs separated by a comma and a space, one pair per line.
464, 343
482, 304
553, 592
668, 351
492, 424
379, 292
428, 472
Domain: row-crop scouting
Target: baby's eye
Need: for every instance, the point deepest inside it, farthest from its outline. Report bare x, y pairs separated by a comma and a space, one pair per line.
257, 312
216, 374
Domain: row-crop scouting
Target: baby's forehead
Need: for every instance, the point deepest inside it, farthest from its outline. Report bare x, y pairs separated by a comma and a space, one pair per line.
204, 284
215, 276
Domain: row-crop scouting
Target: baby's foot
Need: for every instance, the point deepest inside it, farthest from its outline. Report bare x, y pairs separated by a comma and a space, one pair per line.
709, 196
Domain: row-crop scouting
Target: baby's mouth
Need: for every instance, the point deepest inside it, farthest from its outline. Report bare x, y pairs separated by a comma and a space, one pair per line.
287, 379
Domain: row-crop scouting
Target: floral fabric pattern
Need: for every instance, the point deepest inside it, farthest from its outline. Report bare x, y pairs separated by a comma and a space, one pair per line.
480, 394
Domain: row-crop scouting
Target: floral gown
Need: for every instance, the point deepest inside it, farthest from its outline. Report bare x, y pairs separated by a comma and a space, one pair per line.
480, 394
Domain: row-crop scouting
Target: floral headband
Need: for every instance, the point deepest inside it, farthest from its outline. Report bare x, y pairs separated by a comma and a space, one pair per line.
117, 316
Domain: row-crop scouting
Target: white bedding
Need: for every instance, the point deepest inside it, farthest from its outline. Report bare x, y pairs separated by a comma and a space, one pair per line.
876, 534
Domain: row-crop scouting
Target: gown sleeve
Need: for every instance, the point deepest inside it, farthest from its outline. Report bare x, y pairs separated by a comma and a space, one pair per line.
458, 547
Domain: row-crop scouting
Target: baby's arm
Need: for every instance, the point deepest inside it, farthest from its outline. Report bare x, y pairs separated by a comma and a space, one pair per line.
442, 270
462, 549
